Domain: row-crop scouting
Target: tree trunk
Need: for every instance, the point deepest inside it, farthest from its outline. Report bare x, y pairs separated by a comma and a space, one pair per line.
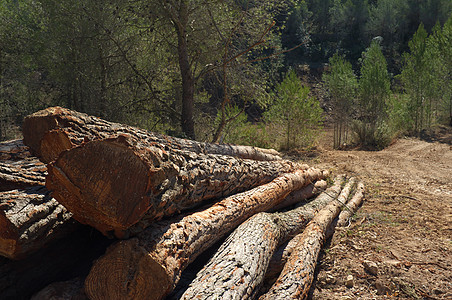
112, 184
149, 266
73, 128
238, 268
296, 277
21, 174
61, 260
29, 219
280, 257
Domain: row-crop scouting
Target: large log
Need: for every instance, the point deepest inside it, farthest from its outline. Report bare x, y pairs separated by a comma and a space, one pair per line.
29, 219
114, 183
21, 173
297, 275
149, 265
48, 132
60, 260
237, 269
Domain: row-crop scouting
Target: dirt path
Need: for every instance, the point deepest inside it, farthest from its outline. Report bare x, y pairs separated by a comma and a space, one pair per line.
404, 227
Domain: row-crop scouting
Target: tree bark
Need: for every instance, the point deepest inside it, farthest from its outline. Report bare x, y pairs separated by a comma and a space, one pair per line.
14, 150
29, 219
238, 267
49, 132
302, 194
296, 277
149, 266
23, 173
114, 183
61, 260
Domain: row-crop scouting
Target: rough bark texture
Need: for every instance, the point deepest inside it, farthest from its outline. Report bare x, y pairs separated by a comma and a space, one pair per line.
296, 277
239, 266
149, 266
21, 173
29, 219
65, 290
13, 150
48, 132
280, 257
112, 184
301, 194
61, 260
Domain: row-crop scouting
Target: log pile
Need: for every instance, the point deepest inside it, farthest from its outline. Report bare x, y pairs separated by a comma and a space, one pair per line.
136, 208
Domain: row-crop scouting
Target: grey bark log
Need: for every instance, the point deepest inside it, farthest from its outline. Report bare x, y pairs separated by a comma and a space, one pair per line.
114, 183
49, 132
29, 219
149, 266
297, 275
21, 173
280, 257
238, 267
13, 150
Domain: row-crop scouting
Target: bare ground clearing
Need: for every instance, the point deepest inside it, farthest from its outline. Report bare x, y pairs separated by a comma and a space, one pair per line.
404, 226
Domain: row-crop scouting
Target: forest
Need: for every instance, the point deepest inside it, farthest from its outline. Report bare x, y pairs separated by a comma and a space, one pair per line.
231, 71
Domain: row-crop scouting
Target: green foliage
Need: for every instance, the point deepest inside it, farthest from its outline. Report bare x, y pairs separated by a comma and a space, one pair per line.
240, 131
342, 86
298, 114
374, 90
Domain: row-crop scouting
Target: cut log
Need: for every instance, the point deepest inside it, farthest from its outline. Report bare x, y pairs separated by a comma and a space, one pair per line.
112, 184
149, 265
65, 290
78, 127
29, 219
22, 173
14, 150
302, 194
61, 260
297, 275
238, 267
280, 257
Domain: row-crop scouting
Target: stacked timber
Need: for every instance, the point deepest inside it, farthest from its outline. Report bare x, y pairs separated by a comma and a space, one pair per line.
162, 202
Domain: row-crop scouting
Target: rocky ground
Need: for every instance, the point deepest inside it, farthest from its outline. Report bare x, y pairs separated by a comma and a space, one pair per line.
399, 244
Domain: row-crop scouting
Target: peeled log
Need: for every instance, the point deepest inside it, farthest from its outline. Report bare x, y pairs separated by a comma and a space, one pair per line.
114, 183
50, 131
297, 275
29, 219
21, 174
238, 268
149, 265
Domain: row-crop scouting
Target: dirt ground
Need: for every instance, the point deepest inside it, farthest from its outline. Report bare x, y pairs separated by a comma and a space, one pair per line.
399, 244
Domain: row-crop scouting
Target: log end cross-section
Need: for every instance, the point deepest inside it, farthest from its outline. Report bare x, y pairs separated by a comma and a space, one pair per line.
99, 196
127, 263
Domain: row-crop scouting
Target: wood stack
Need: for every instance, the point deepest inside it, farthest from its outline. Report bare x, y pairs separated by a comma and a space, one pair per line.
163, 202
